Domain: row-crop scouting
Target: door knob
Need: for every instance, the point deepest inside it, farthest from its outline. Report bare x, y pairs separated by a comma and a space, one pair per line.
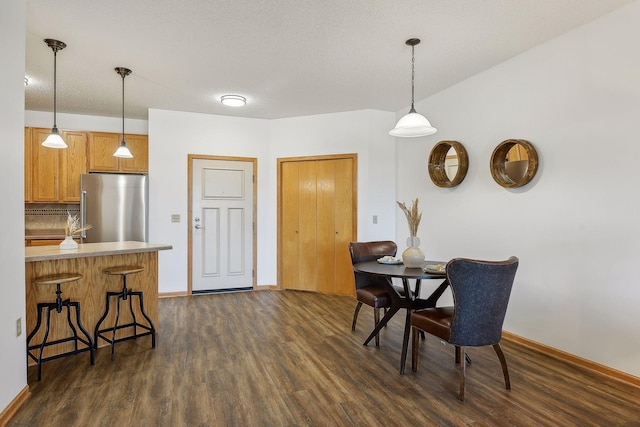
199, 227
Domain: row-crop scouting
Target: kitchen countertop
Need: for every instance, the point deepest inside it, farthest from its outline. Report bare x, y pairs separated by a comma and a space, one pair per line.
46, 253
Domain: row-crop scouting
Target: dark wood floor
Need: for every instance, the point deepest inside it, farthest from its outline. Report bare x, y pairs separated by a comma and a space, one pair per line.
289, 358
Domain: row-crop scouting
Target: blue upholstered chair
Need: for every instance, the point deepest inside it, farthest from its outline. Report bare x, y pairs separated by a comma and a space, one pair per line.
481, 291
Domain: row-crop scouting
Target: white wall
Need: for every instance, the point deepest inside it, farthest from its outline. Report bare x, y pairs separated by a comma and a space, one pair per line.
173, 135
575, 227
13, 369
81, 122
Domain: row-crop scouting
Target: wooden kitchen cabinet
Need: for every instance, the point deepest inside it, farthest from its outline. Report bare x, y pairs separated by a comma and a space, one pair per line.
27, 164
73, 163
102, 145
139, 147
53, 175
43, 168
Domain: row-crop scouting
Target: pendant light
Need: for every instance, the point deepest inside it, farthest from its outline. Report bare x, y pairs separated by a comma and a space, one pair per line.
122, 151
413, 124
54, 140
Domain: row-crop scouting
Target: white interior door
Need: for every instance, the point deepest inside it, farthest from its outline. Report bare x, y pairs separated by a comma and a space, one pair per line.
222, 221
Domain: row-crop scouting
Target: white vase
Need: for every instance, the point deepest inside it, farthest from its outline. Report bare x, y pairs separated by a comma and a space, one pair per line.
413, 257
69, 243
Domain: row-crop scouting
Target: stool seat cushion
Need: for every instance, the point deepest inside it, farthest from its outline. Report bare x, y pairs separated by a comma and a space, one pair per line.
127, 269
54, 279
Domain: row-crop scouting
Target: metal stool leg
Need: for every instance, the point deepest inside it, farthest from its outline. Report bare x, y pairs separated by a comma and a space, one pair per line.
152, 328
85, 332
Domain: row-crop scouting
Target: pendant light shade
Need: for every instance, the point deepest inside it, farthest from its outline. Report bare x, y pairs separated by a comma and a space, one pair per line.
122, 151
54, 140
412, 124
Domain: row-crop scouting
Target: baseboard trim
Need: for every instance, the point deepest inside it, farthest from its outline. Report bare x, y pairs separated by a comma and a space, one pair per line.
173, 294
572, 358
13, 407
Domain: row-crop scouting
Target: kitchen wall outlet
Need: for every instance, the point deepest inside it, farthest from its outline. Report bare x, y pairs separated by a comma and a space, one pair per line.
175, 217
375, 219
19, 326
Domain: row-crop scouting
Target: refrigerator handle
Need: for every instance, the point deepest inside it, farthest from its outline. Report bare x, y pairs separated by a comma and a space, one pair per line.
83, 210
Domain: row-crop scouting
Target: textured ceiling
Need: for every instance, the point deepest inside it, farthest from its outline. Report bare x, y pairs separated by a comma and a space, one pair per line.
288, 57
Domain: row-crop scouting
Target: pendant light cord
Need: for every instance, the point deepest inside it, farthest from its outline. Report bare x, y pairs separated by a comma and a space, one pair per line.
123, 108
55, 62
413, 75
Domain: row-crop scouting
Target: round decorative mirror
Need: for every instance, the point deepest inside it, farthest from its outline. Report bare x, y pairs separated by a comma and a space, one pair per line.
514, 163
448, 164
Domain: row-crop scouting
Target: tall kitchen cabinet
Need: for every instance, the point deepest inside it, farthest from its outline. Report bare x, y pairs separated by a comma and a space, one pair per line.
317, 216
53, 175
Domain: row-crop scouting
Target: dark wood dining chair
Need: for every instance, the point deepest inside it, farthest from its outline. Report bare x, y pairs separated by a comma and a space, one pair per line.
372, 290
481, 291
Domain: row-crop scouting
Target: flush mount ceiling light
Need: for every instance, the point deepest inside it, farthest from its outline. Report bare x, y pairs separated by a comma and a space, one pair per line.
54, 140
233, 100
122, 151
412, 124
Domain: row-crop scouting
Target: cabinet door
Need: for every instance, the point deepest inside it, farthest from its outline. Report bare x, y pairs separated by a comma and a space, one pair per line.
45, 164
139, 147
27, 164
73, 163
102, 145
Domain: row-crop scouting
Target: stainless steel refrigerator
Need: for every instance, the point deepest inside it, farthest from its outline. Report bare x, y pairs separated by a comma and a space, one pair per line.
116, 206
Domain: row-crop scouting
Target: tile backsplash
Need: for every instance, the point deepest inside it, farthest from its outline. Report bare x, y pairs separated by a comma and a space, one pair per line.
48, 216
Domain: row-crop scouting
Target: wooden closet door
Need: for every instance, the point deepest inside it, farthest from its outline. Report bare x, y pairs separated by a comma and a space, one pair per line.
344, 226
317, 224
308, 217
326, 248
289, 233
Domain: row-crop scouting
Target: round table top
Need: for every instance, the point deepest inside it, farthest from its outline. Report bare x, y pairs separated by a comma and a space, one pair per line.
398, 270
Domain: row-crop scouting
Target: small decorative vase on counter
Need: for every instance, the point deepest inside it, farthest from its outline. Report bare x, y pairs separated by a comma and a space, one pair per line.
68, 243
413, 257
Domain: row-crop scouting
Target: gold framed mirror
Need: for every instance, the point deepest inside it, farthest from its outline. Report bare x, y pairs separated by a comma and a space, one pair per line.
514, 163
448, 164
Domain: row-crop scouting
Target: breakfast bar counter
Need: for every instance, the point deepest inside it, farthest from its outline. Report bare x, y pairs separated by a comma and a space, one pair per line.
89, 260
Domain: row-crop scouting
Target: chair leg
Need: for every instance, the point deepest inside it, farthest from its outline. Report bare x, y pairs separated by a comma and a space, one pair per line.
376, 320
503, 363
415, 334
355, 315
457, 355
459, 352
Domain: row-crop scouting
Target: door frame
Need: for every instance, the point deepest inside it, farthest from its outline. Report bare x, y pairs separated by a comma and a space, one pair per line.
190, 158
354, 217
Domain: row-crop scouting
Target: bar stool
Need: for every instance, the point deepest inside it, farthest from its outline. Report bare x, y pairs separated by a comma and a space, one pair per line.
124, 294
58, 279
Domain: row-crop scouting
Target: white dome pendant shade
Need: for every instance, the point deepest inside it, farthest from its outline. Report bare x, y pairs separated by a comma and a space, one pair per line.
122, 151
54, 140
412, 124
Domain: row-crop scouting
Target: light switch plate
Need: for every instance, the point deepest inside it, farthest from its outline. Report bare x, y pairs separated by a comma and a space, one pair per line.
175, 217
19, 326
375, 219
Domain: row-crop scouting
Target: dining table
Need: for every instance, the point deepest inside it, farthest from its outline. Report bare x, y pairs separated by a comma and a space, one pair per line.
410, 299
